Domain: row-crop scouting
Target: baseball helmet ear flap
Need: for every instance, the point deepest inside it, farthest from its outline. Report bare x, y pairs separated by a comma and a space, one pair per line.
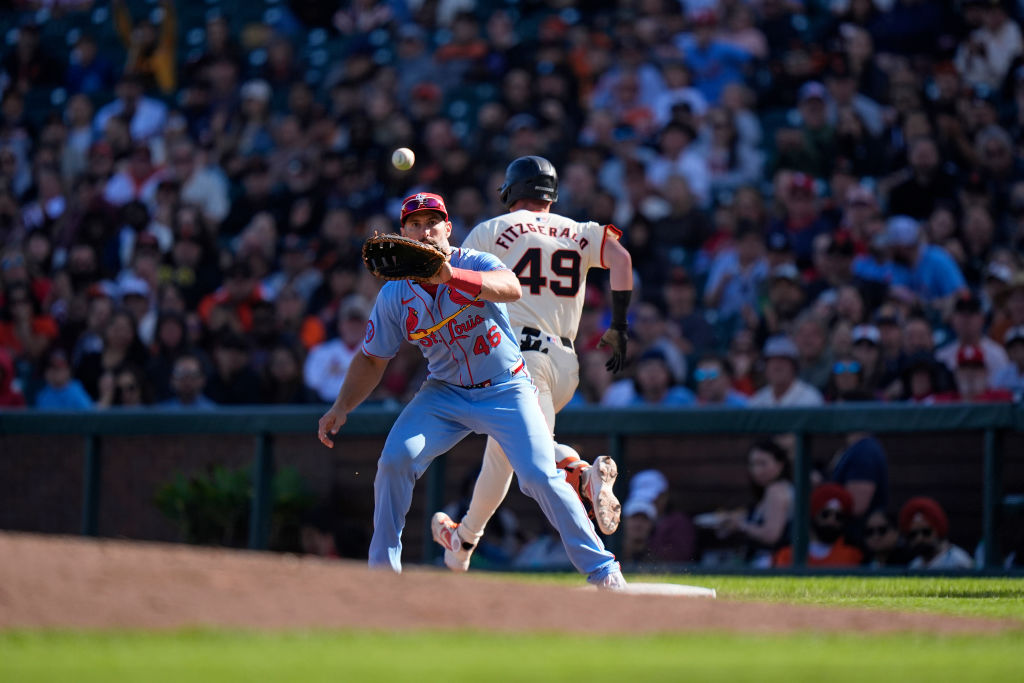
529, 178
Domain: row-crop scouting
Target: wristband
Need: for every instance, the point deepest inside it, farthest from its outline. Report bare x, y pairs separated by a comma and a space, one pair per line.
469, 281
620, 303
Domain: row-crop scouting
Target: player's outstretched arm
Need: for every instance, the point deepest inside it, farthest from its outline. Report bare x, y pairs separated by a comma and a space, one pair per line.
363, 376
501, 286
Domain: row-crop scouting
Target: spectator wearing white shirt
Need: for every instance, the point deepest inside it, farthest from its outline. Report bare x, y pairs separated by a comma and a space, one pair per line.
327, 363
1011, 377
986, 56
681, 154
147, 116
968, 322
784, 389
925, 526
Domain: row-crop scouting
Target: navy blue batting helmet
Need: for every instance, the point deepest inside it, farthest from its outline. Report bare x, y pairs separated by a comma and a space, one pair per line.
529, 178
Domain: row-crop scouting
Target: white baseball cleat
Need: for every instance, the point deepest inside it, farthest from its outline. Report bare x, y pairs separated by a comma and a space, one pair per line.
597, 481
612, 582
446, 534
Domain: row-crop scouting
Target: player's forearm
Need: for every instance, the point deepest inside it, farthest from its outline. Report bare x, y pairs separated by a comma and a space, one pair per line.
362, 377
501, 286
620, 266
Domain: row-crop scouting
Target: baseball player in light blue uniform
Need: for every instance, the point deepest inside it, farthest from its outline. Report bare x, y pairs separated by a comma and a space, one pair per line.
477, 382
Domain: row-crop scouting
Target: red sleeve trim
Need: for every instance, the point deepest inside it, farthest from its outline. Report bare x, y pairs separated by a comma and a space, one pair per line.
604, 238
373, 355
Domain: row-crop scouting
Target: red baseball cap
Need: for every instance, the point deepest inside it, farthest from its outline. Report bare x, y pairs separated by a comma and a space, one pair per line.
422, 201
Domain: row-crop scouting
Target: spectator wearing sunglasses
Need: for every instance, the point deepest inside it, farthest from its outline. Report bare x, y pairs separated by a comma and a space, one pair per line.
713, 380
882, 544
846, 382
925, 526
831, 505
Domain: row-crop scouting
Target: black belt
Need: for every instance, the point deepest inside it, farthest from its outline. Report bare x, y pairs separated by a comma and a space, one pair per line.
534, 332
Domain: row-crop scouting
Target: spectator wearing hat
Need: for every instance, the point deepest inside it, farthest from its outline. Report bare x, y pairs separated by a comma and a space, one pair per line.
1011, 377
326, 365
973, 379
766, 525
831, 507
713, 379
778, 248
685, 227
858, 219
654, 531
736, 274
810, 334
968, 323
786, 299
680, 154
652, 384
810, 148
802, 219
925, 526
843, 96
925, 270
867, 351
60, 391
135, 180
682, 315
784, 388
833, 264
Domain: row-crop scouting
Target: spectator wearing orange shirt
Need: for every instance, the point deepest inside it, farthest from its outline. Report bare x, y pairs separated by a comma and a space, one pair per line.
831, 506
239, 291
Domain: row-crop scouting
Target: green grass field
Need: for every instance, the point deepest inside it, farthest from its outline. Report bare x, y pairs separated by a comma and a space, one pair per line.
27, 657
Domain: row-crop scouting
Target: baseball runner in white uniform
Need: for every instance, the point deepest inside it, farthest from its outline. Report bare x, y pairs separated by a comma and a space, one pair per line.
550, 254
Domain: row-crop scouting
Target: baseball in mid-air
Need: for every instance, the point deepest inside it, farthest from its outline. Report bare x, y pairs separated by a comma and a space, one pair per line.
403, 158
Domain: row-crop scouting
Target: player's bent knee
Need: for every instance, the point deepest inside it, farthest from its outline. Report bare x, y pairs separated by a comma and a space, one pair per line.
395, 460
533, 480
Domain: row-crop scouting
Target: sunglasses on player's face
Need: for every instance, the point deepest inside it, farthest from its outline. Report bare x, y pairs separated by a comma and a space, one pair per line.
416, 203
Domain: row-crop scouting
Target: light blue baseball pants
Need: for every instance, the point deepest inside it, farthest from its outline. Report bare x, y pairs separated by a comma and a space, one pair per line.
441, 415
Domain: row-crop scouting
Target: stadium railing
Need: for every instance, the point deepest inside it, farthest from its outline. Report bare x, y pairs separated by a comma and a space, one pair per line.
991, 421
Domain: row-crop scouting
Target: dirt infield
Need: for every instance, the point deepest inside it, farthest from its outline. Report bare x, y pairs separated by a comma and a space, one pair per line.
59, 582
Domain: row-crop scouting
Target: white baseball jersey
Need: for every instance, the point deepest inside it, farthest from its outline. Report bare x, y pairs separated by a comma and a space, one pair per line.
550, 254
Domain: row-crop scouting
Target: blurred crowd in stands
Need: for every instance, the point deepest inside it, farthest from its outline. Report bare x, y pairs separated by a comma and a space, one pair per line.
824, 201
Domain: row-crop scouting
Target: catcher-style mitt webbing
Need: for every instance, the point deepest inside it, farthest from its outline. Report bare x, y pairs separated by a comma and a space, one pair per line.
394, 257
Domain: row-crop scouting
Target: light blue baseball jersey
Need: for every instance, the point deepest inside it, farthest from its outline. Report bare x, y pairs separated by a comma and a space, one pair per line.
472, 347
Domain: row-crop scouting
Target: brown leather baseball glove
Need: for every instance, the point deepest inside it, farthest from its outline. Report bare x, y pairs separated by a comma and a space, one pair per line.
394, 257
